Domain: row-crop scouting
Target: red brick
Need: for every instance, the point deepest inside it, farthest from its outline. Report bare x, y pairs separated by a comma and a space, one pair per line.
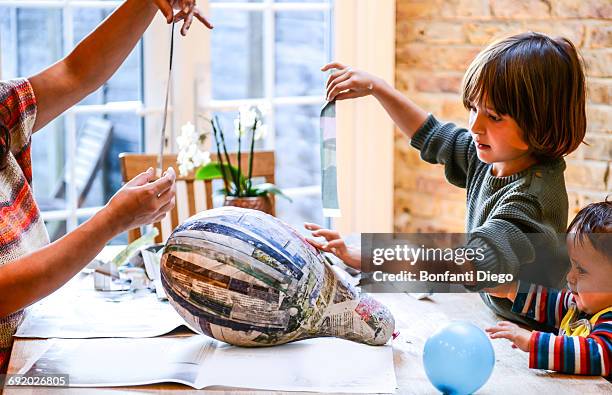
513, 9
436, 57
573, 31
438, 82
587, 174
582, 9
484, 33
598, 62
599, 116
600, 36
410, 9
430, 32
600, 90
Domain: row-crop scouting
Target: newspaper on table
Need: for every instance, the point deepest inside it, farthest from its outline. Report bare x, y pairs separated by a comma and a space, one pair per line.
87, 313
329, 173
319, 365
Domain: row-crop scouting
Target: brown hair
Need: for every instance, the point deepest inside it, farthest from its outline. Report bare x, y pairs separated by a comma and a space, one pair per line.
594, 222
539, 82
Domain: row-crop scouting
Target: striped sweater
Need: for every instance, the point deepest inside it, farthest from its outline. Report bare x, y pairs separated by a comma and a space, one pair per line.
584, 343
22, 229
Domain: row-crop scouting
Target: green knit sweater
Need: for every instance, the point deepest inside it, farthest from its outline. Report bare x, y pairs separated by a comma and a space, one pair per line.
503, 213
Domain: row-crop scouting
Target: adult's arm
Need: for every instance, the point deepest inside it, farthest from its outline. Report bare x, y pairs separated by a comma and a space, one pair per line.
95, 59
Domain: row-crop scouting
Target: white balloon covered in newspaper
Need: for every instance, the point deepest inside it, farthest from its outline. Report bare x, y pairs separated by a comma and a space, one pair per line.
246, 278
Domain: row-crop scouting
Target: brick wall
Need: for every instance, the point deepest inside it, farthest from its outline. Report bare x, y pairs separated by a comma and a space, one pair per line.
436, 41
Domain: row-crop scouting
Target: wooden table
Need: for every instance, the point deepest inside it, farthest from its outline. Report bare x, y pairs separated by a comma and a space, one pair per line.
416, 320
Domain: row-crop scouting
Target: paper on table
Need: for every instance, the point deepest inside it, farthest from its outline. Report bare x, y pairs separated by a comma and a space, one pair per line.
77, 313
329, 178
320, 365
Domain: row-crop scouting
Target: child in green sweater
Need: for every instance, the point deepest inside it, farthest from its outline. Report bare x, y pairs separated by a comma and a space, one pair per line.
526, 98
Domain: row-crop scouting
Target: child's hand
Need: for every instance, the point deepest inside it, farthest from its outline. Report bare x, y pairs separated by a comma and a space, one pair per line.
504, 291
507, 330
335, 245
187, 11
347, 83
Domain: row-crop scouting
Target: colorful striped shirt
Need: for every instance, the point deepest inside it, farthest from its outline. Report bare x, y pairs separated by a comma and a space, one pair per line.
22, 229
584, 343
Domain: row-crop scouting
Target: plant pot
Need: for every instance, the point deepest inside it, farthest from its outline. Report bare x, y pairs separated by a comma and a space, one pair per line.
261, 203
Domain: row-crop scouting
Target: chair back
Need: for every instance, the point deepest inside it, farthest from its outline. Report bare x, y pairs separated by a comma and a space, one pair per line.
192, 196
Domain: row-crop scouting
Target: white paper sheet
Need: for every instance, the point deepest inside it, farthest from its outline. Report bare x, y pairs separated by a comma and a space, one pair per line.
77, 311
319, 365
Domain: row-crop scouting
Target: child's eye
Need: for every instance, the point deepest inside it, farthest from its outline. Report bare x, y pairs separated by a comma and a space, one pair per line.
494, 118
581, 270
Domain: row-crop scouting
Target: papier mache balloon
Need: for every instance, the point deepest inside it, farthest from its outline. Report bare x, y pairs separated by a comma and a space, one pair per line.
246, 278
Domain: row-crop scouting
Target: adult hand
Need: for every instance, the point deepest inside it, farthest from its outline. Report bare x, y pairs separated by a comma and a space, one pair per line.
141, 202
187, 11
334, 244
347, 83
519, 337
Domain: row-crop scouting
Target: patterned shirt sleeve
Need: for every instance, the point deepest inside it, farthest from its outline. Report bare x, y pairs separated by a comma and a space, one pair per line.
589, 355
544, 305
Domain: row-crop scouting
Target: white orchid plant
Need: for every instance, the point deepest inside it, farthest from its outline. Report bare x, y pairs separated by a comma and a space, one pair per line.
248, 125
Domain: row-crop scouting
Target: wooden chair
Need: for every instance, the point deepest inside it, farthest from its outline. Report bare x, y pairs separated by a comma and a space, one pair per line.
192, 196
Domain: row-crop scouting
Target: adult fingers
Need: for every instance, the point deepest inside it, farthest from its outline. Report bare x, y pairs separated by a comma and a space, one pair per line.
311, 226
187, 6
159, 217
165, 182
167, 207
166, 196
327, 233
338, 243
333, 65
179, 16
141, 179
187, 24
165, 8
202, 18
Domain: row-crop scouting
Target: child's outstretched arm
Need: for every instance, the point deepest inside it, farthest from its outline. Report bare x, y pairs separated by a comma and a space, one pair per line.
99, 55
348, 83
334, 245
591, 355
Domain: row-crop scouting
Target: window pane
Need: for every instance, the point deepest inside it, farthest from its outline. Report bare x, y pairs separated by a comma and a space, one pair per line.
300, 53
125, 84
237, 54
120, 239
48, 161
297, 146
98, 168
56, 229
31, 40
303, 209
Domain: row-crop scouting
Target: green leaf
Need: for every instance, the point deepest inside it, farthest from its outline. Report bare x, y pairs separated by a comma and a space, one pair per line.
230, 173
209, 172
267, 188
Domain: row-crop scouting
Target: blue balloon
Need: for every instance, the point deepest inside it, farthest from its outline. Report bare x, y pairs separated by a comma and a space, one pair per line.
458, 358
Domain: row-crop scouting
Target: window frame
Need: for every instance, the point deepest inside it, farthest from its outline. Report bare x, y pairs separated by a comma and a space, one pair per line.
72, 213
269, 8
